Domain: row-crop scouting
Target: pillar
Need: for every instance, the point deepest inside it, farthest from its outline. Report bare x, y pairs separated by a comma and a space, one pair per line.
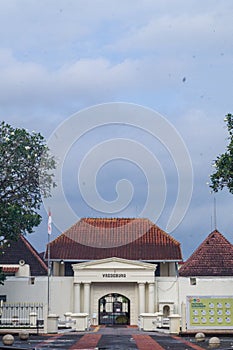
183, 317
141, 294
86, 301
151, 298
174, 324
76, 297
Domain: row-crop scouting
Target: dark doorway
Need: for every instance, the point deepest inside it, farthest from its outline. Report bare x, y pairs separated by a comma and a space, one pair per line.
114, 309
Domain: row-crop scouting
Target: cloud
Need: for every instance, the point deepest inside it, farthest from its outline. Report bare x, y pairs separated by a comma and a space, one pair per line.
57, 57
25, 84
75, 54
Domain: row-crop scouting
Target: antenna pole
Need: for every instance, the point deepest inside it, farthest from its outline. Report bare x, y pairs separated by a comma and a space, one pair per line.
215, 215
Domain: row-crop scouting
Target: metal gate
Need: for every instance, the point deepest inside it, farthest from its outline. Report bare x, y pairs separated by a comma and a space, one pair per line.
114, 309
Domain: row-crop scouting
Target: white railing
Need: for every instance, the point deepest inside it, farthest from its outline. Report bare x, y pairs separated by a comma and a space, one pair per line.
17, 315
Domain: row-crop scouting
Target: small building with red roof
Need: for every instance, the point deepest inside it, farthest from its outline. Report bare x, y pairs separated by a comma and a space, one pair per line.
214, 257
21, 259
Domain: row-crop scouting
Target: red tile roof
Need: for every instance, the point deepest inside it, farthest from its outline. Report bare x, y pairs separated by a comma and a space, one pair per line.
23, 250
99, 238
214, 257
9, 269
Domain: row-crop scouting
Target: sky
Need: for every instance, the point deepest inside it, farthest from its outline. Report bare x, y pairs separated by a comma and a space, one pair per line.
60, 58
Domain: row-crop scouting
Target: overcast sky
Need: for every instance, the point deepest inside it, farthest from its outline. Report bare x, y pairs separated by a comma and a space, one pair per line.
174, 57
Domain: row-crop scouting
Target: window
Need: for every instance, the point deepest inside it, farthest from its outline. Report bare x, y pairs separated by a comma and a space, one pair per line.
193, 281
3, 298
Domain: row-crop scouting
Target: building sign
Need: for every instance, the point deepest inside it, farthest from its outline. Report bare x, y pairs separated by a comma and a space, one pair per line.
209, 312
114, 275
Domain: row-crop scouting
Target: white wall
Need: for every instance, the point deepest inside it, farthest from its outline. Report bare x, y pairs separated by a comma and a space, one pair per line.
20, 289
167, 269
205, 286
172, 289
167, 290
61, 292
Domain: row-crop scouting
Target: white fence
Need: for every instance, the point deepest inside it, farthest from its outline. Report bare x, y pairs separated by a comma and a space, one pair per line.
18, 315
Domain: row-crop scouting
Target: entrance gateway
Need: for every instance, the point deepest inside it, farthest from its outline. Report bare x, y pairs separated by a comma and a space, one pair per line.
114, 309
114, 291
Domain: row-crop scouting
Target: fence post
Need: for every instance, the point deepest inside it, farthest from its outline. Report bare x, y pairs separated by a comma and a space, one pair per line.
33, 319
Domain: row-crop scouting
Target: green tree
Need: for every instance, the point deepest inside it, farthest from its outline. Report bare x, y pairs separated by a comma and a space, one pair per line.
26, 175
223, 175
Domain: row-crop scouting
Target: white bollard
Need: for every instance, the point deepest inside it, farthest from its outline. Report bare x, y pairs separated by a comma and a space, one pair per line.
200, 337
214, 342
8, 339
23, 335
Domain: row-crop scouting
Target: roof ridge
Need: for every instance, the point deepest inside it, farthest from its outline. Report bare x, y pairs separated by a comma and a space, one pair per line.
219, 234
33, 251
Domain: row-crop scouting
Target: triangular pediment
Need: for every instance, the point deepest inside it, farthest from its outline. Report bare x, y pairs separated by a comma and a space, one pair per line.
111, 263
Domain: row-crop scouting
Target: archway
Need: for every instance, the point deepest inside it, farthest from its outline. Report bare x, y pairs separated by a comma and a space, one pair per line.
166, 311
114, 309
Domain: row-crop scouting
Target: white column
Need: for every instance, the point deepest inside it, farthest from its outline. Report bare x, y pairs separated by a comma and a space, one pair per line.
76, 297
151, 298
141, 293
86, 302
183, 317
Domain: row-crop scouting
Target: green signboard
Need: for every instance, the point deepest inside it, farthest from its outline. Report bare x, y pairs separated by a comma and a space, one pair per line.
206, 312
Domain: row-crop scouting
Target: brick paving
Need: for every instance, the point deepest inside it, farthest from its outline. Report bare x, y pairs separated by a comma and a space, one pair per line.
125, 342
175, 343
113, 338
145, 342
88, 341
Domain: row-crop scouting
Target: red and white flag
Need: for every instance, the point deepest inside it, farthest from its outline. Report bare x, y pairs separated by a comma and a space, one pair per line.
49, 223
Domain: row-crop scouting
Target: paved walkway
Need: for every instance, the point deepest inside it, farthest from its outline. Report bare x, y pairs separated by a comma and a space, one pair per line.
111, 338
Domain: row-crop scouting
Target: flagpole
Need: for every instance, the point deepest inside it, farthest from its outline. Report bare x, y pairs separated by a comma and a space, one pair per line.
48, 274
48, 261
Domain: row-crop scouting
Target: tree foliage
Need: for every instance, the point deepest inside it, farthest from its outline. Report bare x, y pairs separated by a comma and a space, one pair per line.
26, 175
223, 175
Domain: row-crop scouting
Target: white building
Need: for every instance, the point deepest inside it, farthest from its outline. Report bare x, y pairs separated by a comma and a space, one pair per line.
117, 269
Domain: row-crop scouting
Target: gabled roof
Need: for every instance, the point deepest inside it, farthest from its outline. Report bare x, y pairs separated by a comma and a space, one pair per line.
23, 250
127, 238
214, 257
